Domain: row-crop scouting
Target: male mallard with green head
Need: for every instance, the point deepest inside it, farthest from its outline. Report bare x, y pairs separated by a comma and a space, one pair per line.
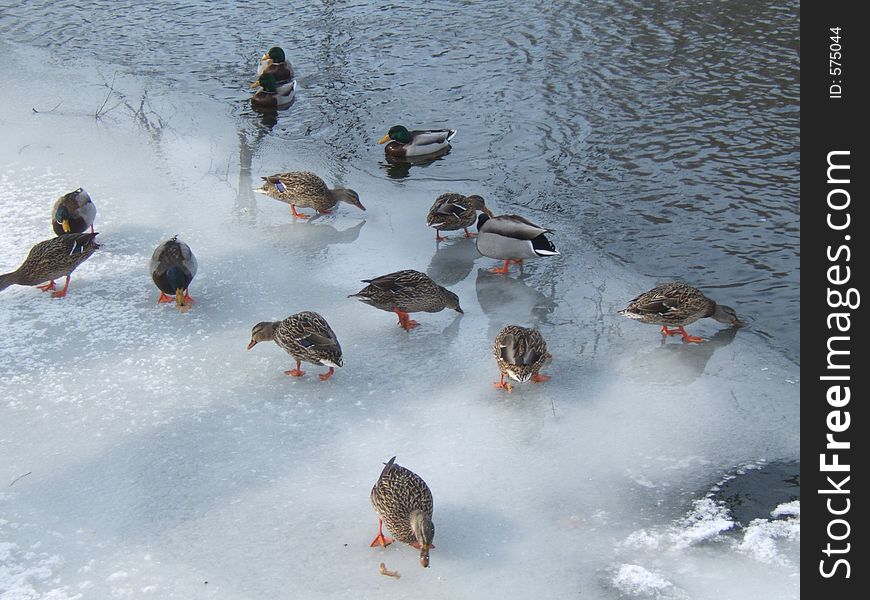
415, 143
305, 336
512, 238
73, 213
405, 292
173, 267
678, 304
272, 94
455, 211
404, 502
275, 63
520, 353
52, 259
306, 190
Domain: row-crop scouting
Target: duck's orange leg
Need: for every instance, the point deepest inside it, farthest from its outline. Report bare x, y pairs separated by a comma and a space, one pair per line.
164, 298
48, 286
297, 215
666, 331
439, 237
327, 375
538, 378
405, 322
503, 270
469, 234
689, 338
297, 372
381, 539
505, 385
61, 293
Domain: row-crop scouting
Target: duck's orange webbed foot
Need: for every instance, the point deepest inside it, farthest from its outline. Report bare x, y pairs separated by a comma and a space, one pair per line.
327, 375
439, 237
405, 321
297, 215
48, 286
381, 539
505, 385
469, 234
61, 293
538, 378
501, 270
164, 298
689, 338
326, 212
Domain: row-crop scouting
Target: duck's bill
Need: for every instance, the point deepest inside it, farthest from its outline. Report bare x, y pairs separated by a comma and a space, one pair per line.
384, 139
255, 84
252, 344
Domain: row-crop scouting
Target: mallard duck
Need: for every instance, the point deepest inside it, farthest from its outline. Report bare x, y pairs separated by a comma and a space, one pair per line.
305, 336
677, 304
405, 292
173, 267
520, 352
404, 502
52, 259
415, 143
73, 213
305, 189
455, 211
271, 94
275, 63
512, 238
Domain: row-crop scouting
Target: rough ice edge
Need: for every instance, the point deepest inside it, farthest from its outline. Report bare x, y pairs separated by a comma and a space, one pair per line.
761, 536
638, 582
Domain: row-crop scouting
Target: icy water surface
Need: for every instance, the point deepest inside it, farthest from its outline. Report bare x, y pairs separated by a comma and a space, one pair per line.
146, 453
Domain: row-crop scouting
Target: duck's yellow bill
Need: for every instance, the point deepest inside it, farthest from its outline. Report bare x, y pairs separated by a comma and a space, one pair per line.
384, 139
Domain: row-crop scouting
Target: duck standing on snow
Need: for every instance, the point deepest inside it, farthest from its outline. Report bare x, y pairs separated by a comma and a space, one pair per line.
73, 213
305, 336
52, 259
307, 190
407, 144
404, 502
512, 238
520, 352
405, 292
677, 304
173, 267
455, 211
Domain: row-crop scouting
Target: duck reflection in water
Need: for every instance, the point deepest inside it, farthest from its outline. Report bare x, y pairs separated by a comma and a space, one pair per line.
400, 168
507, 299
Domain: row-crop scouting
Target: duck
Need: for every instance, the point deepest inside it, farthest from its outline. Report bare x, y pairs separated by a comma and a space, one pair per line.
512, 238
305, 336
520, 353
415, 143
73, 213
407, 291
274, 62
403, 501
455, 211
272, 94
305, 189
173, 267
52, 259
678, 304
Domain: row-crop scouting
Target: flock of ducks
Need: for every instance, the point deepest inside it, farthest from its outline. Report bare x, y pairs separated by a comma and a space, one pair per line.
400, 497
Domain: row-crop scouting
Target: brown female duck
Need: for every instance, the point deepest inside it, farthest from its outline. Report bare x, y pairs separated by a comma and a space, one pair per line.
455, 211
404, 502
52, 259
307, 190
520, 352
677, 304
405, 292
305, 336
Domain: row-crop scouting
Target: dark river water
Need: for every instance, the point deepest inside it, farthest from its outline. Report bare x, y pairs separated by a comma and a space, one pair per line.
666, 134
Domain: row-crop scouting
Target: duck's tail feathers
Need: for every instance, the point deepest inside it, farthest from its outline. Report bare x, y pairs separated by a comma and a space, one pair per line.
544, 247
451, 134
8, 279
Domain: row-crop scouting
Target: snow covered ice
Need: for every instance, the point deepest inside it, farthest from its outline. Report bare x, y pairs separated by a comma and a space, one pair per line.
147, 454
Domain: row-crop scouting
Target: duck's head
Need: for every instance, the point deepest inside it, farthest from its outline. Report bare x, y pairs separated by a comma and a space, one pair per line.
179, 280
478, 203
77, 199
726, 314
397, 133
424, 532
276, 54
451, 300
268, 82
350, 196
262, 332
62, 217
